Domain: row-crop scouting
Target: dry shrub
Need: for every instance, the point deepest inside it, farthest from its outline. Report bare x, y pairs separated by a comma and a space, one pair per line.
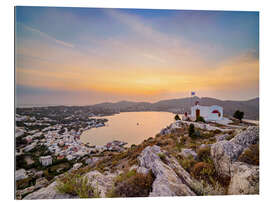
187, 163
204, 171
250, 155
24, 183
230, 137
217, 131
133, 184
203, 154
76, 185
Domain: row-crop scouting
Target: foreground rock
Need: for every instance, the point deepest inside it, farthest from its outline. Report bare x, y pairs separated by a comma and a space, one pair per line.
247, 137
102, 183
225, 153
20, 174
188, 152
222, 137
167, 182
48, 192
245, 179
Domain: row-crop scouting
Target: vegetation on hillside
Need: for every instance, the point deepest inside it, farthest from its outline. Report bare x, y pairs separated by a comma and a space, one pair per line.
177, 117
238, 115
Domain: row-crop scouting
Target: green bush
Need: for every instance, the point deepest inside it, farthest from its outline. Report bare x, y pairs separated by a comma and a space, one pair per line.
24, 183
200, 119
187, 163
162, 157
230, 137
192, 132
238, 115
191, 129
196, 134
177, 117
125, 176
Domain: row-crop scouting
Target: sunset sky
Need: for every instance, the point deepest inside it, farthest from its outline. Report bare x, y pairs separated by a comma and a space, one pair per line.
80, 56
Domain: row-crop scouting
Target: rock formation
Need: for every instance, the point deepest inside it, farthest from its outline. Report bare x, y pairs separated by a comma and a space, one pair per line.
167, 182
244, 177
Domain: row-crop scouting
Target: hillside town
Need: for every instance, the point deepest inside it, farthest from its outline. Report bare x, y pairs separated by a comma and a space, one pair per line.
48, 148
45, 143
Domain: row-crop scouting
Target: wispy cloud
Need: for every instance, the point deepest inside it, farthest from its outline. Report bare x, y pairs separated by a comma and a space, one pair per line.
129, 55
45, 35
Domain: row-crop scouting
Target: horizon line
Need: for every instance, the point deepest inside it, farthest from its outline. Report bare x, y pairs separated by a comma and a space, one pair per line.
70, 105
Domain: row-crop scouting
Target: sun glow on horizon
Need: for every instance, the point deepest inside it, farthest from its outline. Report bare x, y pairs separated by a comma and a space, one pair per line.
132, 57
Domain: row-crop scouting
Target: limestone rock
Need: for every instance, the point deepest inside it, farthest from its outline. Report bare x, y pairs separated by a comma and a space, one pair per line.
76, 166
225, 153
142, 170
245, 179
20, 174
222, 137
167, 182
247, 137
203, 126
204, 146
188, 152
133, 167
41, 182
20, 193
100, 182
48, 192
192, 183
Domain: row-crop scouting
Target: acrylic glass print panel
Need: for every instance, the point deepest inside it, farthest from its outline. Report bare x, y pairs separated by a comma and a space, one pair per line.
135, 102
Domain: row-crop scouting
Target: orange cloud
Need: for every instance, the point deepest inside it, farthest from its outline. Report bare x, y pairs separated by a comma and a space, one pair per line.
155, 64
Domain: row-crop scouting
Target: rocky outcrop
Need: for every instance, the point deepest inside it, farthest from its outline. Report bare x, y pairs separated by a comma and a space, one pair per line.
143, 170
245, 179
222, 137
100, 182
247, 137
20, 174
188, 152
225, 153
167, 182
76, 166
203, 126
41, 182
171, 128
48, 192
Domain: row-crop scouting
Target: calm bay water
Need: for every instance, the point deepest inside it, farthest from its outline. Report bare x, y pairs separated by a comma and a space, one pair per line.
130, 127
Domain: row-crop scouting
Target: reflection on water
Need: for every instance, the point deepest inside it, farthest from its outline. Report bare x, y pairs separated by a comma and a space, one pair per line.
131, 127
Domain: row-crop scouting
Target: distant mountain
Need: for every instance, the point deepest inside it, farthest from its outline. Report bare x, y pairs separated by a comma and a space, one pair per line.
249, 107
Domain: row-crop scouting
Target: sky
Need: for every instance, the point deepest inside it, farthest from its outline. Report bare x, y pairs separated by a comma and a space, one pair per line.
82, 56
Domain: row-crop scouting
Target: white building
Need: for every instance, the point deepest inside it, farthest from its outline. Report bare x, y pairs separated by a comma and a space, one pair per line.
45, 160
209, 113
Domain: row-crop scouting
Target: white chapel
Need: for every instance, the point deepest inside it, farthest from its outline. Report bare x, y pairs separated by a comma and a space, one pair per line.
209, 113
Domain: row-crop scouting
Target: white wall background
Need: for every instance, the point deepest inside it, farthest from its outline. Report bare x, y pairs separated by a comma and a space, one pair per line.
7, 87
